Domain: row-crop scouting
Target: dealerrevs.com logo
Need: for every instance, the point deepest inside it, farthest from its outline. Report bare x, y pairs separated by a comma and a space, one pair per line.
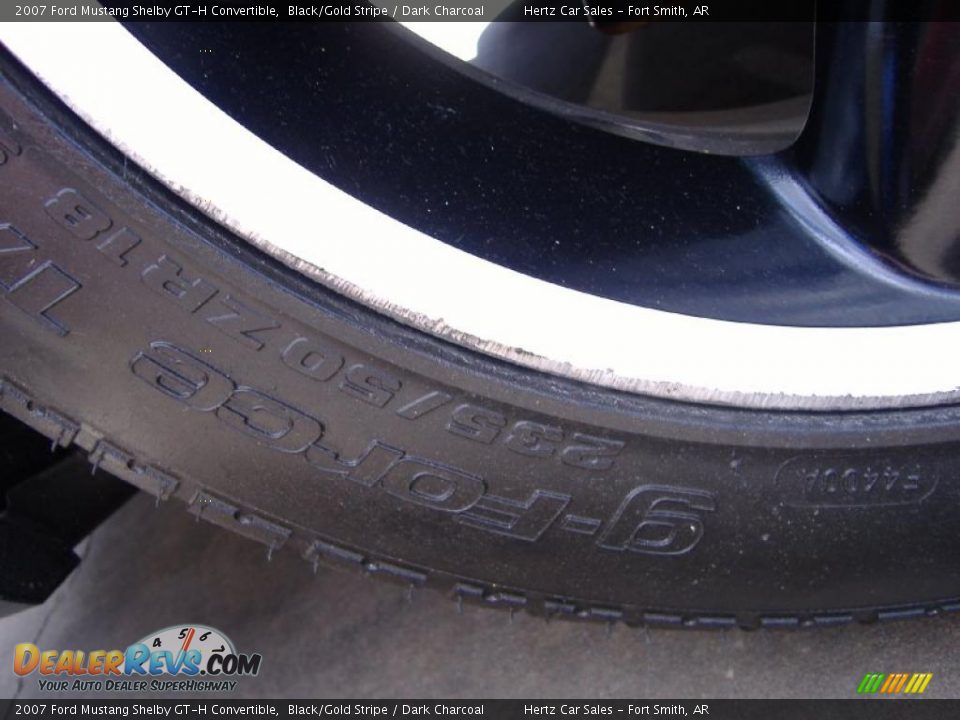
180, 658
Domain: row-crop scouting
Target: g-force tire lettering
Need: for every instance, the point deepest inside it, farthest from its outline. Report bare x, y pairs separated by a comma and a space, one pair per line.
186, 378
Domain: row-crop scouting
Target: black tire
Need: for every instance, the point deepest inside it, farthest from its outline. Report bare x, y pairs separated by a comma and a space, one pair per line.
145, 334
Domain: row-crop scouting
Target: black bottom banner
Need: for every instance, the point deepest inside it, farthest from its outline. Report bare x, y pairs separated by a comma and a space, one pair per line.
875, 709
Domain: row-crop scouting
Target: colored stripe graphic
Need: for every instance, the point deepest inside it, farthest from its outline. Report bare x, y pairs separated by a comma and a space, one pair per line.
915, 681
870, 683
894, 683
900, 683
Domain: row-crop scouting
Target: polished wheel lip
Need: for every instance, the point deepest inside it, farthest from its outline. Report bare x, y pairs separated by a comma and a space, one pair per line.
158, 120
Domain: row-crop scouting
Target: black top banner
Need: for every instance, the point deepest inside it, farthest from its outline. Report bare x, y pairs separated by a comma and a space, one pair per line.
617, 14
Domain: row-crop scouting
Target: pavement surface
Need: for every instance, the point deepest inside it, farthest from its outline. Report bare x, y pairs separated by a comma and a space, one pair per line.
341, 635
